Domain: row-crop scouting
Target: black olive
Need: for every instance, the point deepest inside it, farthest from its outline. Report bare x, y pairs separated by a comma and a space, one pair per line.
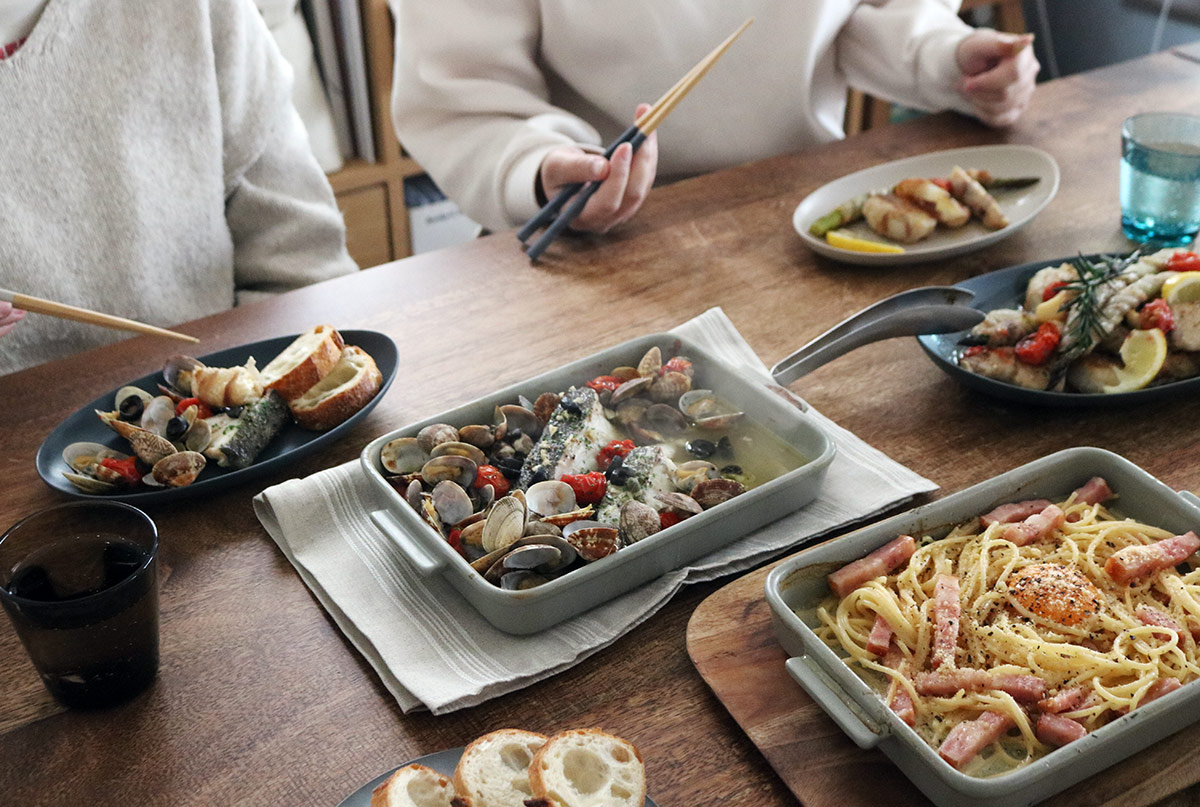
512, 435
234, 411
732, 469
724, 447
177, 427
617, 464
571, 406
701, 448
510, 467
620, 476
131, 408
539, 475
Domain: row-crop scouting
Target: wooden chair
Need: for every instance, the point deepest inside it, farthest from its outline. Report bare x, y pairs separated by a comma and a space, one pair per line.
866, 112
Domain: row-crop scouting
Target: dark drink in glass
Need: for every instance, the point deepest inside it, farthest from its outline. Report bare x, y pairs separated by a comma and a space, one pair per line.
80, 584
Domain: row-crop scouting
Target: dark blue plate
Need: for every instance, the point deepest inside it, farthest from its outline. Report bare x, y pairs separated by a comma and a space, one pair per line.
1005, 288
443, 762
290, 444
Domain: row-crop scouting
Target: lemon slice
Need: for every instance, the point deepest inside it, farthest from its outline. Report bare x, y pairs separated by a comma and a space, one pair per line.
1183, 288
1143, 353
843, 240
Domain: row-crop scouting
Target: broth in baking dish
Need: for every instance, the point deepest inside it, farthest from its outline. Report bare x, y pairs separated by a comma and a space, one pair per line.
1022, 630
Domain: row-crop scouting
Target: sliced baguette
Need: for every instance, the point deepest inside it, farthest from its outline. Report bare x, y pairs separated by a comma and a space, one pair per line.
304, 362
348, 387
587, 768
413, 786
494, 770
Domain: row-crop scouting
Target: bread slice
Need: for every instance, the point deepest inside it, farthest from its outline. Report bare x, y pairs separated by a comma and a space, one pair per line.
413, 786
352, 382
494, 770
587, 768
304, 362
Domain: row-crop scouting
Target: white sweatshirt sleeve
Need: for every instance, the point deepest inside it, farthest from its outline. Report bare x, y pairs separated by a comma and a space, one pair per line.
905, 50
470, 103
287, 231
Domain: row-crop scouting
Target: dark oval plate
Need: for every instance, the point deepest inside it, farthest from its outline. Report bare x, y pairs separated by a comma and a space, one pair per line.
290, 444
1005, 288
443, 762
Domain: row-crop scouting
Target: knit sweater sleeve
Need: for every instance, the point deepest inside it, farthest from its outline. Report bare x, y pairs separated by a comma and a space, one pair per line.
905, 51
286, 229
470, 103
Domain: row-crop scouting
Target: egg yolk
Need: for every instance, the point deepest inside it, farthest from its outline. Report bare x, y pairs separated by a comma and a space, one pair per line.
1056, 593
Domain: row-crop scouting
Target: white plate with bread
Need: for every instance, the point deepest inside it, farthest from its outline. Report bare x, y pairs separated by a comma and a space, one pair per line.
510, 766
328, 381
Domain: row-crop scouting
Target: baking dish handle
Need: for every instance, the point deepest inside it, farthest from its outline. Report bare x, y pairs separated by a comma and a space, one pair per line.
822, 690
425, 563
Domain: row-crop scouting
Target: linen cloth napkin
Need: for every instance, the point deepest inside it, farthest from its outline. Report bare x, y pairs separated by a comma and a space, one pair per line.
432, 649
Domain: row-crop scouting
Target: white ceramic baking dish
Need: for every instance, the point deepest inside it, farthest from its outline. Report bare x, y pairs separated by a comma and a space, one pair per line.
799, 584
535, 609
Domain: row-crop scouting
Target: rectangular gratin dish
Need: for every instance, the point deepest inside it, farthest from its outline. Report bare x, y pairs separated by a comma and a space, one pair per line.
799, 584
532, 610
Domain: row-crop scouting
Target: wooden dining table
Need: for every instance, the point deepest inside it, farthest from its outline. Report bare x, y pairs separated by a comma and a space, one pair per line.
261, 700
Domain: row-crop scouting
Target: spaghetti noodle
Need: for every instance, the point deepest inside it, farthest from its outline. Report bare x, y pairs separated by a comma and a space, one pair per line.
1040, 638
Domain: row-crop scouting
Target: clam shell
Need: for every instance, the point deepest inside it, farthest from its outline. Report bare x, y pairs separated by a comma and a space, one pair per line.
403, 455
156, 415
149, 447
518, 417
706, 411
178, 469
84, 458
651, 363
631, 411
412, 493
669, 386
688, 474
177, 372
569, 517
472, 534
484, 496
89, 484
459, 449
550, 497
451, 502
505, 523
198, 436
680, 503
545, 405
624, 372
632, 387
429, 514
593, 543
665, 419
521, 580
534, 528
478, 436
567, 553
436, 433
638, 520
126, 391
530, 557
712, 492
449, 467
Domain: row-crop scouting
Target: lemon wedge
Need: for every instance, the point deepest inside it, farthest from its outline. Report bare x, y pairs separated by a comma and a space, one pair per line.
843, 240
1183, 288
1143, 353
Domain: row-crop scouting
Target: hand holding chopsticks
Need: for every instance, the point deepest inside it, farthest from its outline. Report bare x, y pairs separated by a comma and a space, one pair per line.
37, 305
553, 213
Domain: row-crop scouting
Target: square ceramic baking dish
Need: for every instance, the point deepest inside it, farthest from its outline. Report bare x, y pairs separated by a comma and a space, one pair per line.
798, 584
535, 609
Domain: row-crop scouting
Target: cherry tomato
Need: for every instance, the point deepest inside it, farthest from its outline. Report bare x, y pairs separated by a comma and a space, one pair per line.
975, 350
605, 382
491, 475
455, 541
1053, 289
1157, 314
589, 488
127, 468
942, 183
1184, 262
677, 364
202, 409
617, 448
1036, 348
669, 519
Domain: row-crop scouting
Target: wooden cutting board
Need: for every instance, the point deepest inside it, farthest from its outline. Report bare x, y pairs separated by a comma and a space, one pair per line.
731, 642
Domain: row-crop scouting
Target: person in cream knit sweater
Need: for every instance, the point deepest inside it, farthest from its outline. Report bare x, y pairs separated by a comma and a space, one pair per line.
504, 101
152, 167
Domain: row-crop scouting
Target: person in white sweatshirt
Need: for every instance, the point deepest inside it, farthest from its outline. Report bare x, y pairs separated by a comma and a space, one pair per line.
152, 166
504, 101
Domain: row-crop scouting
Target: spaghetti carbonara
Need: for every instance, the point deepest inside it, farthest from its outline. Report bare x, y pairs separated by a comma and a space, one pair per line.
1021, 630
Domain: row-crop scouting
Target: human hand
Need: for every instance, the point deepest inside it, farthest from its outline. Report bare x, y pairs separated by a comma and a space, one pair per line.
9, 317
998, 74
627, 178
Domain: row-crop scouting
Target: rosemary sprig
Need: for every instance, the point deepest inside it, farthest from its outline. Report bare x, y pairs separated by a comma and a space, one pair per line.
1085, 324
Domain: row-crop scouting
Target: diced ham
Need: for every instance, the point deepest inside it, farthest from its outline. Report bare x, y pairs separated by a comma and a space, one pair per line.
881, 636
880, 562
1135, 562
1094, 491
967, 739
1035, 527
1014, 511
1057, 730
1152, 616
945, 682
948, 611
899, 701
1066, 700
1159, 688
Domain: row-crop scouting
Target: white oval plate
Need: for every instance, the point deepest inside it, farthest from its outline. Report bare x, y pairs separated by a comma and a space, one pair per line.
1020, 205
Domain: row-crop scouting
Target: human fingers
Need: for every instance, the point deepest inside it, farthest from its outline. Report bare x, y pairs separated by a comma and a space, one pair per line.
983, 49
9, 317
568, 164
641, 173
1000, 95
600, 213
